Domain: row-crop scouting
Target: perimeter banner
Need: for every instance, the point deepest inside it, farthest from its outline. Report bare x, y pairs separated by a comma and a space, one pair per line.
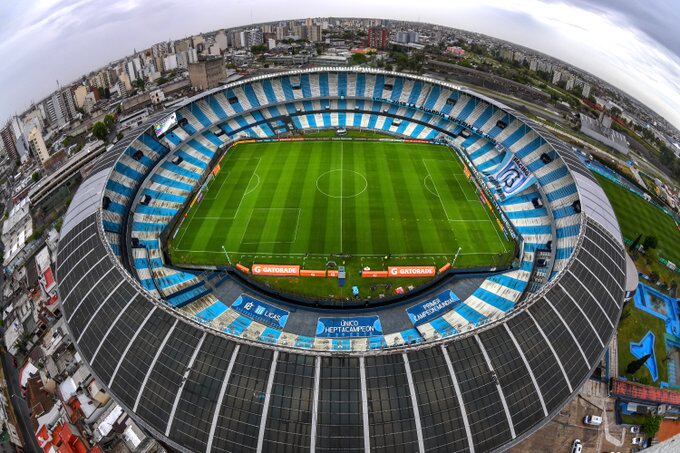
363, 326
412, 271
242, 268
374, 274
433, 308
313, 273
276, 270
261, 312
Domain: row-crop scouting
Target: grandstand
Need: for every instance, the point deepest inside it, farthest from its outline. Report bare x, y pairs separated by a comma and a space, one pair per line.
207, 361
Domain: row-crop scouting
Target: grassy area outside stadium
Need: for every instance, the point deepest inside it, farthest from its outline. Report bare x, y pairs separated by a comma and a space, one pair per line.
359, 204
638, 216
633, 326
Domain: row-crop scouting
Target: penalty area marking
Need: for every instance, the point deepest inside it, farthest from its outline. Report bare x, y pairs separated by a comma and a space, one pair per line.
429, 175
238, 207
297, 226
247, 192
214, 197
193, 216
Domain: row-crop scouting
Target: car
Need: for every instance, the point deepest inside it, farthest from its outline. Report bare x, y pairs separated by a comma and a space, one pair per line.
635, 429
637, 441
576, 446
593, 420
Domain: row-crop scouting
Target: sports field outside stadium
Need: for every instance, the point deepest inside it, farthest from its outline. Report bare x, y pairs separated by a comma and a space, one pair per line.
357, 203
638, 216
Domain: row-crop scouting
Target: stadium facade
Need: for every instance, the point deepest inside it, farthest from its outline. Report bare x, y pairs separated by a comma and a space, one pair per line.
476, 373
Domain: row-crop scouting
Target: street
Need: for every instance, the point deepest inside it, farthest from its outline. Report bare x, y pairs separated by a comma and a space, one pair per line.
19, 403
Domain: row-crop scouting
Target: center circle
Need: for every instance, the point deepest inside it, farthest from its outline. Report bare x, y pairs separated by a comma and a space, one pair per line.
340, 183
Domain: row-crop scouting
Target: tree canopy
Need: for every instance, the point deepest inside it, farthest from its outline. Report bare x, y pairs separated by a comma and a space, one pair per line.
100, 131
358, 58
651, 425
109, 121
650, 242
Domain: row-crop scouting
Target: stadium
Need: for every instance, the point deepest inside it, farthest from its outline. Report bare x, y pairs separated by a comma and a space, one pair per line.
425, 270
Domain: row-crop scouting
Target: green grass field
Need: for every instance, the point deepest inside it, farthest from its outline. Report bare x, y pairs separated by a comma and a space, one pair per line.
633, 326
352, 202
637, 216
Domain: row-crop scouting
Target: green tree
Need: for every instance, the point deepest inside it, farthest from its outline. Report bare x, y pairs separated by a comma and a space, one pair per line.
615, 111
651, 425
634, 245
109, 122
262, 48
36, 176
650, 242
358, 58
99, 130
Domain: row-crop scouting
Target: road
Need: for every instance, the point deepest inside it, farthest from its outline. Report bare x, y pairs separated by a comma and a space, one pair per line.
19, 403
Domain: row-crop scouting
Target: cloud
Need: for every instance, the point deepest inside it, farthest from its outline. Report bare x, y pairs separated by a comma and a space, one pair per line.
627, 43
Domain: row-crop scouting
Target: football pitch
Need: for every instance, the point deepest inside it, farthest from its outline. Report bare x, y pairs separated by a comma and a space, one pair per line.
310, 202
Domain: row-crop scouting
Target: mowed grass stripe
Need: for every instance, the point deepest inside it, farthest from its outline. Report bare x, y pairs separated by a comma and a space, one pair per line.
316, 237
281, 198
305, 184
274, 194
236, 213
375, 233
353, 227
405, 183
433, 229
397, 236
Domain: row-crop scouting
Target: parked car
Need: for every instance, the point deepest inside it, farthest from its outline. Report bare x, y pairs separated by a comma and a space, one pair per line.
635, 429
593, 420
637, 441
576, 446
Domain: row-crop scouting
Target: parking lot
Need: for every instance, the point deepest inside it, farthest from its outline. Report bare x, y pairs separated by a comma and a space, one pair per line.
559, 434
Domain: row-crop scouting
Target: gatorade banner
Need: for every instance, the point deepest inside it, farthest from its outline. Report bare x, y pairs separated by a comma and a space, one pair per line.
431, 309
276, 270
261, 312
513, 178
242, 268
359, 327
216, 170
411, 271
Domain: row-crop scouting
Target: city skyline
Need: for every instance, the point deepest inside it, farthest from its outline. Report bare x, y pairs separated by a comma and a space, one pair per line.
74, 37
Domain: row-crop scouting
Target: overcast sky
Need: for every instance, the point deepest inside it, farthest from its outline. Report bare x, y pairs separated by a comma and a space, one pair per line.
633, 44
